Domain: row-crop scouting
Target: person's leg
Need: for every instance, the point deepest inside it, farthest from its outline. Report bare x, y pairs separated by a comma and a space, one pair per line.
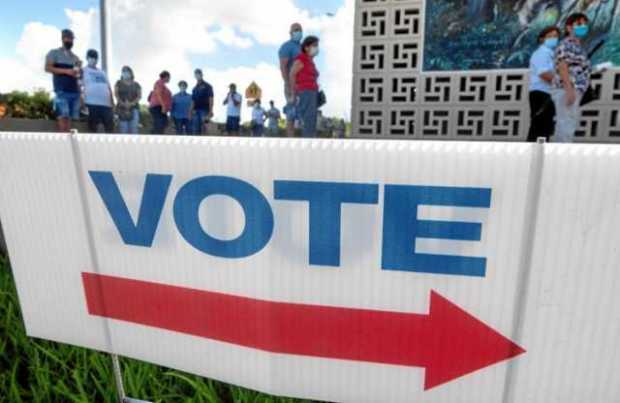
157, 122
135, 122
537, 103
228, 125
308, 112
75, 104
61, 108
291, 114
548, 119
93, 118
236, 125
108, 120
177, 126
123, 126
567, 117
197, 122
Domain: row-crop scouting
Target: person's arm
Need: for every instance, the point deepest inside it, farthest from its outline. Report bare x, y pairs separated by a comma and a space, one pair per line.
49, 68
284, 68
237, 101
571, 94
297, 66
226, 99
210, 115
548, 76
111, 94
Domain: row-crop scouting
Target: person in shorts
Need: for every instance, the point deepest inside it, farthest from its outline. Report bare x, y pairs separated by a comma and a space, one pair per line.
65, 68
97, 95
233, 113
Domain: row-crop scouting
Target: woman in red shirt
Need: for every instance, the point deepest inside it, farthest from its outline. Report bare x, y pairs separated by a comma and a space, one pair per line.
160, 103
305, 87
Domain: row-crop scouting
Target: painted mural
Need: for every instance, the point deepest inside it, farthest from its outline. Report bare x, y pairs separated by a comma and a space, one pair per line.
501, 34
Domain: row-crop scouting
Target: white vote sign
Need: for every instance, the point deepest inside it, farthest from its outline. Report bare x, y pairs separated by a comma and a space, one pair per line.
340, 271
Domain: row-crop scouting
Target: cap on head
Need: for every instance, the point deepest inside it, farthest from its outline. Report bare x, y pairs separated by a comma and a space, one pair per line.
67, 33
92, 53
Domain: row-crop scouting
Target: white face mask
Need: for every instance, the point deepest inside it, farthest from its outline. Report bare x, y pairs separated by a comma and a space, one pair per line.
314, 51
92, 62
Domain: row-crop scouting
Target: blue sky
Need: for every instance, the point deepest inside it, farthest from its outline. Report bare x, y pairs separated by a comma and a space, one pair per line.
234, 40
16, 13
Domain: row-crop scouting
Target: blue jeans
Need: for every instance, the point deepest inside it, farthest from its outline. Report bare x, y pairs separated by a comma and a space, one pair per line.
67, 105
308, 111
198, 121
258, 130
182, 126
160, 120
233, 124
130, 126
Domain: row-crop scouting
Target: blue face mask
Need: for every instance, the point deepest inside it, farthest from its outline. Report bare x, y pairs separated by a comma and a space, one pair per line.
581, 31
551, 43
297, 36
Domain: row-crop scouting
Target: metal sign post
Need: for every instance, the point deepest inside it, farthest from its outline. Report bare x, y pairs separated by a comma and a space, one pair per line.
116, 367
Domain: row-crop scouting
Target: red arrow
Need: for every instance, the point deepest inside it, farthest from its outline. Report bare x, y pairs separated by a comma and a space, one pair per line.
448, 342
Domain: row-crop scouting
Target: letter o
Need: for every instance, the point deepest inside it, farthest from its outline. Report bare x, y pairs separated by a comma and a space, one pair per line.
258, 216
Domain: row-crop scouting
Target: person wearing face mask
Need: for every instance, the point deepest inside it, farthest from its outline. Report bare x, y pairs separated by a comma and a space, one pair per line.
287, 54
542, 73
202, 103
160, 103
97, 95
182, 110
304, 85
128, 94
574, 71
65, 67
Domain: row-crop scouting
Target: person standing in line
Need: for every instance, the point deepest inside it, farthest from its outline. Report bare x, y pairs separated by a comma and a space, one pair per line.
202, 103
65, 67
258, 119
542, 73
288, 53
97, 95
160, 103
274, 119
574, 71
128, 94
305, 87
181, 110
233, 113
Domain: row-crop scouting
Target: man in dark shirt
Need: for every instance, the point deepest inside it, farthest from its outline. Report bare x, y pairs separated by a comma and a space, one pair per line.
66, 69
202, 105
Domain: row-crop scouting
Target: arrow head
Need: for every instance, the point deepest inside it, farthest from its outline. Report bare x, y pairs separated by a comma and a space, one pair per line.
461, 344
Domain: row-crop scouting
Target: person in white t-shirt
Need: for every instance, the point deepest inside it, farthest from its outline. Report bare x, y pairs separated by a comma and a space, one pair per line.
233, 114
97, 95
258, 119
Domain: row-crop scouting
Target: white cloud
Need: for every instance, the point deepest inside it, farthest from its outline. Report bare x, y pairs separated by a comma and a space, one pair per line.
155, 35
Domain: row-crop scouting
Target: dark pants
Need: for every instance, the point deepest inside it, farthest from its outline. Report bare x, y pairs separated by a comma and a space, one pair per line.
100, 115
182, 126
233, 124
542, 112
160, 120
258, 130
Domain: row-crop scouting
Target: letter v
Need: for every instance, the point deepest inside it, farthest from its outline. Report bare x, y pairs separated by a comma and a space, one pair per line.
141, 233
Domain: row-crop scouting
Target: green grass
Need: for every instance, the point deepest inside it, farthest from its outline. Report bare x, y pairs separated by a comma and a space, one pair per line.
33, 370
